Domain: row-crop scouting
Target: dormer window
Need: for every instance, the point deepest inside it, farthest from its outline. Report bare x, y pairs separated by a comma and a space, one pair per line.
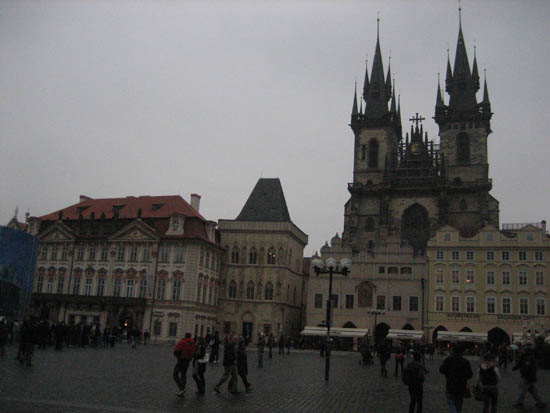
175, 224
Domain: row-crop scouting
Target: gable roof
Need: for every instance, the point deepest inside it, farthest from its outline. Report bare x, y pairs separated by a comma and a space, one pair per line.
266, 203
150, 206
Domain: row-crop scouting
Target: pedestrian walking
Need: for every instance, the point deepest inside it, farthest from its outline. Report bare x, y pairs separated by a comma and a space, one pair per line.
242, 365
488, 377
288, 342
261, 347
215, 344
503, 356
527, 366
270, 344
457, 371
4, 334
399, 361
184, 352
199, 365
413, 377
281, 344
229, 364
384, 354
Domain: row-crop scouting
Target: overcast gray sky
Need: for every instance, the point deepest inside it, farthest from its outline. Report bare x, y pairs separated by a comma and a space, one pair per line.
157, 97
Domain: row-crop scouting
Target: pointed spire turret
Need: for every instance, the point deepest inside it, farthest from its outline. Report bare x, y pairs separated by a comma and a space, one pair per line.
393, 108
388, 77
485, 92
439, 104
366, 83
475, 73
376, 92
463, 86
354, 108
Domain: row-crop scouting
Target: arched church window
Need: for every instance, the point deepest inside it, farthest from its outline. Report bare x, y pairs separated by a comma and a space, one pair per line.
269, 291
363, 152
373, 153
250, 290
369, 224
463, 148
235, 255
253, 257
415, 228
232, 292
271, 256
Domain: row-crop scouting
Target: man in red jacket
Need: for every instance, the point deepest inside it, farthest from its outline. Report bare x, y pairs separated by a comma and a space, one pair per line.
184, 352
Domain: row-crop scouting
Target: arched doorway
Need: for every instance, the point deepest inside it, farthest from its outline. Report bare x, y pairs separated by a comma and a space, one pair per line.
466, 330
349, 324
126, 320
247, 326
380, 332
415, 228
498, 336
437, 329
346, 343
407, 327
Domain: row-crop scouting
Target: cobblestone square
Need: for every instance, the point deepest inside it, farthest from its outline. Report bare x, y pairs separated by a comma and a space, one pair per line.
140, 380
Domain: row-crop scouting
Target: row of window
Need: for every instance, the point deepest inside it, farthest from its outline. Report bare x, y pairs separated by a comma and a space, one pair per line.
397, 304
130, 288
209, 259
491, 277
490, 255
206, 293
489, 236
491, 305
394, 270
251, 291
254, 257
132, 253
200, 330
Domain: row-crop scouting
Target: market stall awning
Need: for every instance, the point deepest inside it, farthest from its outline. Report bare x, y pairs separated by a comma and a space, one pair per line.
415, 335
461, 336
335, 332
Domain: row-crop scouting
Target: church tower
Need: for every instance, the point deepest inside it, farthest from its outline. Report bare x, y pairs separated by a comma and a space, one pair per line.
464, 126
376, 128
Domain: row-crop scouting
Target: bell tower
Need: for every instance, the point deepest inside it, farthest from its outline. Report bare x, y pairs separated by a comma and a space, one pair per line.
464, 127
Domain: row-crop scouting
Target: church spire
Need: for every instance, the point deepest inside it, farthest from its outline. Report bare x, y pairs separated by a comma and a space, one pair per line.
376, 92
393, 108
439, 104
354, 108
486, 104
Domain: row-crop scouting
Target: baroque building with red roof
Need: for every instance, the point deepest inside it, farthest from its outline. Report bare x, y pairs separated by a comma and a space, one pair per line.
149, 263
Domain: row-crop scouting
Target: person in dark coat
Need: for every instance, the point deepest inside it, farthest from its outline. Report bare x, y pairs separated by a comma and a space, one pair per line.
281, 344
458, 371
527, 366
242, 364
488, 378
215, 344
199, 365
229, 364
270, 345
413, 377
384, 354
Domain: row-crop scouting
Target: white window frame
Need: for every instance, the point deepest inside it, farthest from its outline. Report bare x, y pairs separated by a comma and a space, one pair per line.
488, 301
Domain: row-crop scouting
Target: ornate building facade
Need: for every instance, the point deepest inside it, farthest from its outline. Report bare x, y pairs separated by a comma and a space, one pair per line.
494, 282
262, 280
404, 188
149, 262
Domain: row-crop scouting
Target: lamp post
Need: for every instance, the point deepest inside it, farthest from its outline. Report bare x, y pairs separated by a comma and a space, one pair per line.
330, 267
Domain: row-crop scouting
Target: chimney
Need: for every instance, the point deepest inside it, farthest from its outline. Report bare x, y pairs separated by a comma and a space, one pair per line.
543, 224
195, 201
84, 198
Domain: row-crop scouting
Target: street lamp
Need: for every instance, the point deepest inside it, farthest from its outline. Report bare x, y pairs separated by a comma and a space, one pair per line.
330, 267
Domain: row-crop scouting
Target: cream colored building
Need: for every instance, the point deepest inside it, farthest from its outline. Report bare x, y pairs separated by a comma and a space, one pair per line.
384, 290
262, 279
493, 282
149, 262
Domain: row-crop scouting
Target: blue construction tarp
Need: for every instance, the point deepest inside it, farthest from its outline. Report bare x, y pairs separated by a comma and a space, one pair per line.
18, 254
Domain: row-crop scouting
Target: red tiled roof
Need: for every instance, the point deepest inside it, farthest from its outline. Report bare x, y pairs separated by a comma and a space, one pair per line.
151, 207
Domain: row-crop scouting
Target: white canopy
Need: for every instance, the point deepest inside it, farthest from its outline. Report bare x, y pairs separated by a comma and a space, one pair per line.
335, 332
461, 336
415, 335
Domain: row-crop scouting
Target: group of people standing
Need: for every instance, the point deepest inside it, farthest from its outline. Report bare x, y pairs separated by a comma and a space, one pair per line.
458, 371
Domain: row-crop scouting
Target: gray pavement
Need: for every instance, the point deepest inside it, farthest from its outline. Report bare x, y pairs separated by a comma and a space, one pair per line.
127, 380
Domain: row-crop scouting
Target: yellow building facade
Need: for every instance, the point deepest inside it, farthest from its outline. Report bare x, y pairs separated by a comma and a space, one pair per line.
494, 282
